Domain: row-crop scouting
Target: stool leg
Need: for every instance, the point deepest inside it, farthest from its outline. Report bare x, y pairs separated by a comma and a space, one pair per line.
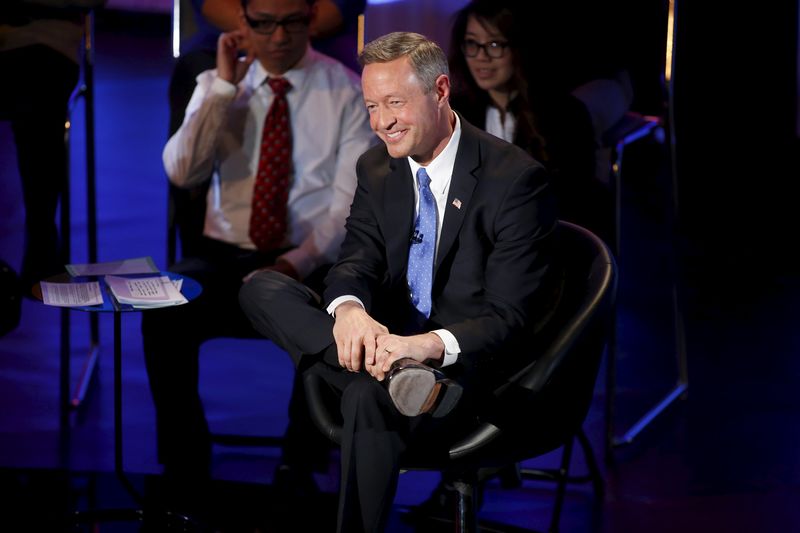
466, 521
63, 388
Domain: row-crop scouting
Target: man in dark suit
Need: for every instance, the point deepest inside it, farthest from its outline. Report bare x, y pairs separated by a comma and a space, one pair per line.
411, 342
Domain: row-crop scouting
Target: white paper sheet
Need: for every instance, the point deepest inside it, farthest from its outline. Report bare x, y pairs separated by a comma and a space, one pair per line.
71, 294
145, 292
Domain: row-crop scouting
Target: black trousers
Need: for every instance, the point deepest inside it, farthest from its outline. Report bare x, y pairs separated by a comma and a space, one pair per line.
37, 109
375, 436
172, 339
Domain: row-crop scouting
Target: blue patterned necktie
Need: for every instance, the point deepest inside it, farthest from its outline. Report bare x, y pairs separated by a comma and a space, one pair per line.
423, 247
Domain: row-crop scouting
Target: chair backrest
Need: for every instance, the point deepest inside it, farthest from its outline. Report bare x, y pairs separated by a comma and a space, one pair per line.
551, 395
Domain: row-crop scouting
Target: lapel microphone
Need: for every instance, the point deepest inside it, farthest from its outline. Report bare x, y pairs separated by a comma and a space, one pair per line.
417, 237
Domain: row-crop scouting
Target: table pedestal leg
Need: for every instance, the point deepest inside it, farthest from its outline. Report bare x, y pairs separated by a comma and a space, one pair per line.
121, 514
118, 458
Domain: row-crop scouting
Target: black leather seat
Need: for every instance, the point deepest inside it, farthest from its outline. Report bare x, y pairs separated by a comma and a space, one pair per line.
542, 406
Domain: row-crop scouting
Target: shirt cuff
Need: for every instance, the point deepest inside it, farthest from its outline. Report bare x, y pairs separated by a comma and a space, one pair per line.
451, 347
223, 88
340, 300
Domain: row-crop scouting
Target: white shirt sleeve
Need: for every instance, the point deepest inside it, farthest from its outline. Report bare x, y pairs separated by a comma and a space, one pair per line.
339, 301
451, 347
189, 154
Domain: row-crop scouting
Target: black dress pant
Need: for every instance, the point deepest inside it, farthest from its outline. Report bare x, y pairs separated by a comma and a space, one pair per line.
375, 435
172, 339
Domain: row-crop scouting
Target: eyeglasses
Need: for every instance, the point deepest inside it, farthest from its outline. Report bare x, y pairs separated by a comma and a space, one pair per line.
269, 25
493, 49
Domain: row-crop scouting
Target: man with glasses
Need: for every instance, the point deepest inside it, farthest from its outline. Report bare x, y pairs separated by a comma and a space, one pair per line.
278, 128
333, 31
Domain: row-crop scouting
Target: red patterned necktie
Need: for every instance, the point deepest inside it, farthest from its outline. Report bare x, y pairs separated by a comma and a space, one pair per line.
271, 188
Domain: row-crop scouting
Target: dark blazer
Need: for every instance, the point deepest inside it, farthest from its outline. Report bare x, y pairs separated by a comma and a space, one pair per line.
493, 260
564, 142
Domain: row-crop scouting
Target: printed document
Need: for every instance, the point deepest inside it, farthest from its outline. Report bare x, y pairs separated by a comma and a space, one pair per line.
144, 293
71, 294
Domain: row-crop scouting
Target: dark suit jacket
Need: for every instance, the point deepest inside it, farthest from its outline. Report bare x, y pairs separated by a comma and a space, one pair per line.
493, 261
565, 144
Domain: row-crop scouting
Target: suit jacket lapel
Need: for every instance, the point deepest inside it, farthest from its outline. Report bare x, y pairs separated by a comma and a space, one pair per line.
398, 202
462, 185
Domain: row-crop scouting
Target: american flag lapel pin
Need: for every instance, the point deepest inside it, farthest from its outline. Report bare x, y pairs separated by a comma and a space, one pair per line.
457, 203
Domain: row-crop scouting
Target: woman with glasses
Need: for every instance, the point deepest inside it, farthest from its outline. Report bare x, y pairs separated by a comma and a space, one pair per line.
492, 53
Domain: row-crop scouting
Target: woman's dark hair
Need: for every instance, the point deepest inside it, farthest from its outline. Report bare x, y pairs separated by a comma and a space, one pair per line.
509, 18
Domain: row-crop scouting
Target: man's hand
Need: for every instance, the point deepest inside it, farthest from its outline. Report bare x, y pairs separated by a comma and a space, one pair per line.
282, 266
229, 67
355, 333
389, 348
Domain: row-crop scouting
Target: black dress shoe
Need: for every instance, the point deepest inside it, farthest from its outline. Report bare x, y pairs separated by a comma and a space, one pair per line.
416, 388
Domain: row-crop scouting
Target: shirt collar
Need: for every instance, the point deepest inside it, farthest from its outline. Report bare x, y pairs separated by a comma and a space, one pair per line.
295, 75
440, 169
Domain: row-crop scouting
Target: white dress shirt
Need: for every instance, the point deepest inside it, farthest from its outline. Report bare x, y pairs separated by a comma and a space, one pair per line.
221, 136
499, 125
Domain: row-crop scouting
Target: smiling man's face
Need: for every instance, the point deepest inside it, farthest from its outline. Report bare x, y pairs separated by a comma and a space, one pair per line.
406, 117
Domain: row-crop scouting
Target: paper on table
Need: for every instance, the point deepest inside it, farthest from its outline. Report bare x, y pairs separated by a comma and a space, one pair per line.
157, 291
138, 265
71, 294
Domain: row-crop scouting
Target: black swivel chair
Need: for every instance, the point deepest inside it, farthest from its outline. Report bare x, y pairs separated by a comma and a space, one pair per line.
541, 407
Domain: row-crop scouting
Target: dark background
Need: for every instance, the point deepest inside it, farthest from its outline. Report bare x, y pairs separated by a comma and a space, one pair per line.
723, 459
